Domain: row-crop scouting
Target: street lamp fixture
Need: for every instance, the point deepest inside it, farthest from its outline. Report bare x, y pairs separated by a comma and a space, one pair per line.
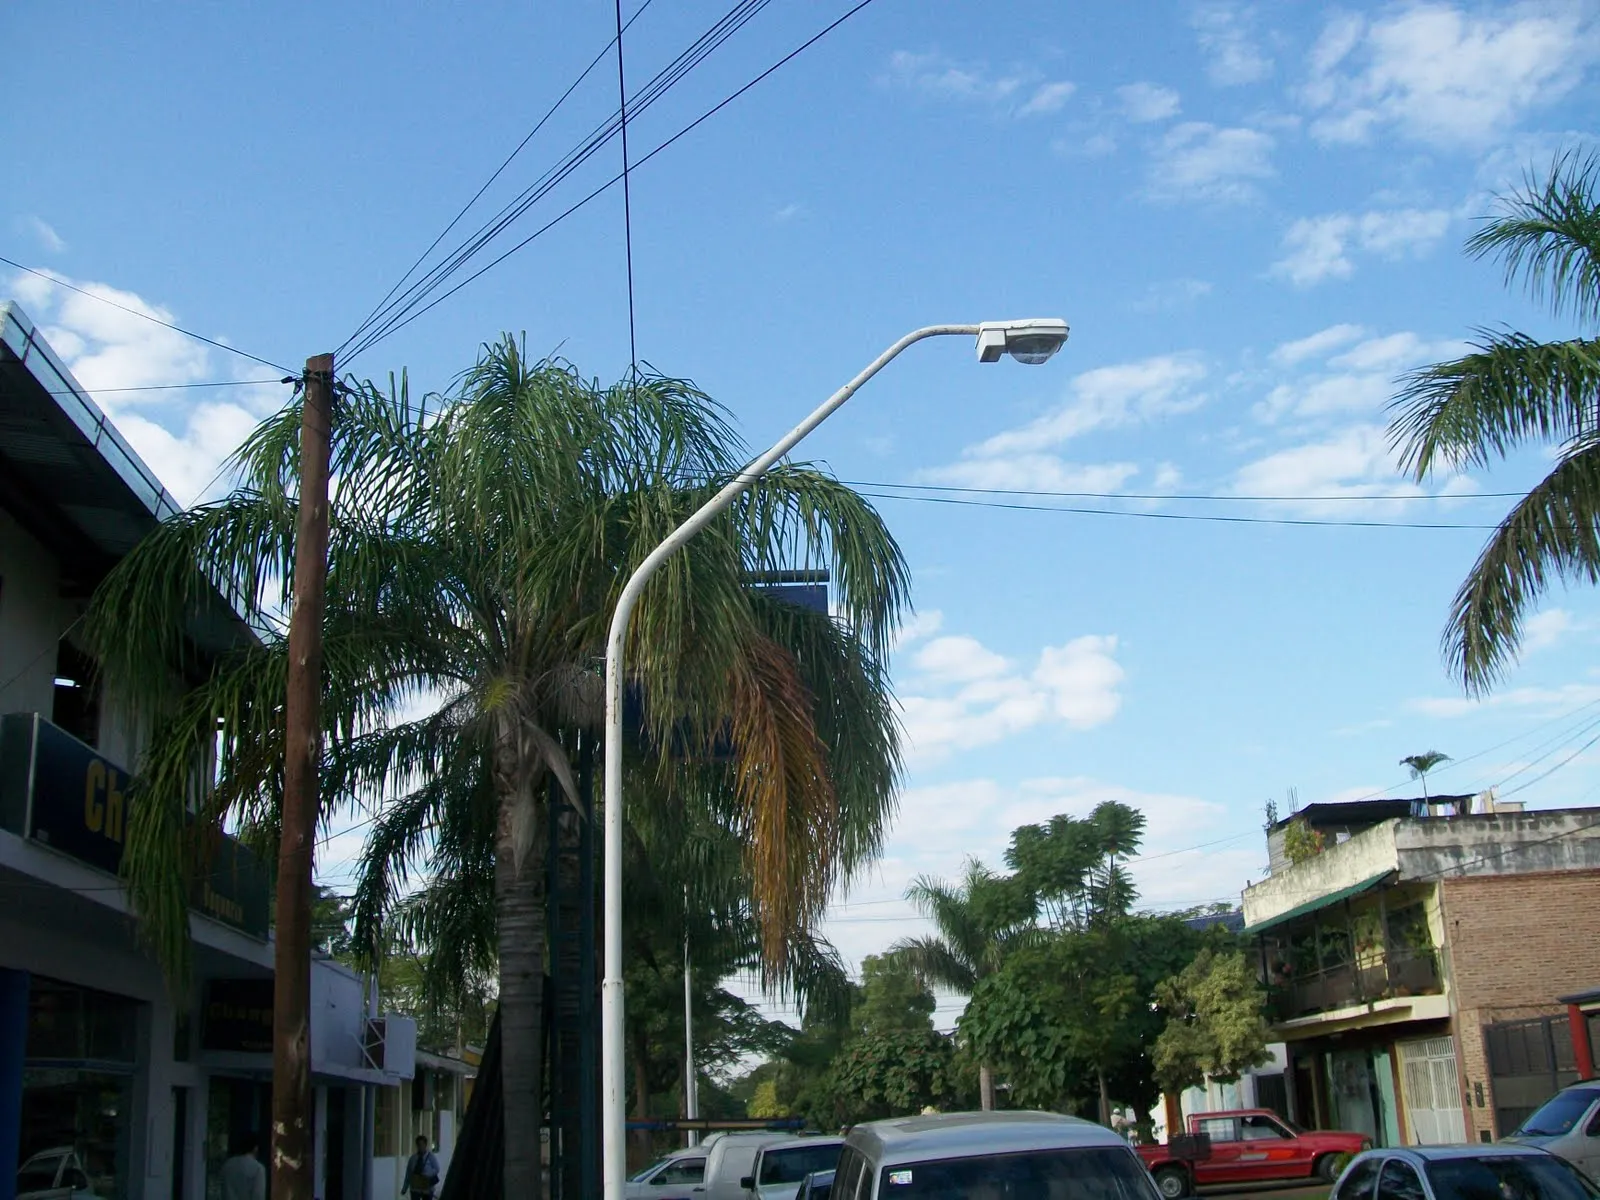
1032, 342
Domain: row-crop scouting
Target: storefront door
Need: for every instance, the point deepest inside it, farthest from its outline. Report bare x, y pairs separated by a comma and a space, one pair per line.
1432, 1092
1353, 1092
236, 1109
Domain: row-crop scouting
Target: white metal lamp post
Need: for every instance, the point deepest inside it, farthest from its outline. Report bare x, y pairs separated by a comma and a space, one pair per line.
1032, 342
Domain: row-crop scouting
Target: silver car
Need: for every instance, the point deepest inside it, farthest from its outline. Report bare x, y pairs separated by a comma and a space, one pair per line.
781, 1167
674, 1177
989, 1156
1567, 1124
1486, 1172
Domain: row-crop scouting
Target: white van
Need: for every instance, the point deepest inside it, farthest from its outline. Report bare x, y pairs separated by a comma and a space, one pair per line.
730, 1161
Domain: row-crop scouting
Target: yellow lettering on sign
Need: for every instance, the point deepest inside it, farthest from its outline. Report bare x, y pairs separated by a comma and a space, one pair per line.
114, 806
94, 808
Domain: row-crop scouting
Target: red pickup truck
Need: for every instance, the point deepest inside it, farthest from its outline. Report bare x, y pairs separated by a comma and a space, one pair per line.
1247, 1146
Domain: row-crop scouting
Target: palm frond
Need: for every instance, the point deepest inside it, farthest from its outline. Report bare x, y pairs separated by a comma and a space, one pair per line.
1553, 532
1549, 236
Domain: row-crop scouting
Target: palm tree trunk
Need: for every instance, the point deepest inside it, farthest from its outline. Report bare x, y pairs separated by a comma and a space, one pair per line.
520, 921
986, 1087
1105, 1098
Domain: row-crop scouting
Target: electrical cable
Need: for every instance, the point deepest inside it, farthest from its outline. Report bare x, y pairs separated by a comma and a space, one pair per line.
627, 209
708, 42
398, 324
199, 337
980, 491
1215, 518
478, 195
166, 387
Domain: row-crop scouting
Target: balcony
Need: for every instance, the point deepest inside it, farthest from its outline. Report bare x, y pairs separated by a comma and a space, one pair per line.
1396, 972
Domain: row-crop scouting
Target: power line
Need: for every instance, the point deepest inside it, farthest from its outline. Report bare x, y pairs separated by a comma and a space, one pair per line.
478, 195
396, 323
1228, 498
724, 28
169, 387
199, 337
627, 205
1164, 516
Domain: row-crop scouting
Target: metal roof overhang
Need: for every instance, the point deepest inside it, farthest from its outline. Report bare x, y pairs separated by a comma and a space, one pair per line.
71, 479
1321, 902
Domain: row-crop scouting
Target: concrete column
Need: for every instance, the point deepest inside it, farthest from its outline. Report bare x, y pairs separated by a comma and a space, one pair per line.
13, 1051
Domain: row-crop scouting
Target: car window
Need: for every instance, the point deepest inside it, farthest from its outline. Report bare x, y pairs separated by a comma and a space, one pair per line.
1359, 1180
1258, 1129
851, 1167
683, 1170
74, 1178
794, 1163
1091, 1174
37, 1177
1400, 1181
1220, 1129
1560, 1113
1594, 1124
1509, 1177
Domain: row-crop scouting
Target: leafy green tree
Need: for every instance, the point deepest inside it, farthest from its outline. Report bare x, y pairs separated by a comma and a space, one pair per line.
979, 921
1069, 865
1215, 1021
893, 1073
476, 551
893, 998
1511, 390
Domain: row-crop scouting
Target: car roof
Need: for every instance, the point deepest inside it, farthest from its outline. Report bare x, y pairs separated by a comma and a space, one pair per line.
813, 1140
966, 1135
1445, 1153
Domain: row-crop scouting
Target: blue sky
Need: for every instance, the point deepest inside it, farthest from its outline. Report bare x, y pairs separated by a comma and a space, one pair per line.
1250, 215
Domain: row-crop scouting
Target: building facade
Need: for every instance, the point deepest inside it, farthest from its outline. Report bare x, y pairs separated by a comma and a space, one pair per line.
1412, 957
112, 1081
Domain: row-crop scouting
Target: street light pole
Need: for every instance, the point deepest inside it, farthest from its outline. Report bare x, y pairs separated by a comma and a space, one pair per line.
1027, 341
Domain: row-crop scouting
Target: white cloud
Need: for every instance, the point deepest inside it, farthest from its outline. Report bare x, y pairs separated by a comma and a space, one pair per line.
788, 212
183, 435
1022, 459
1171, 294
1145, 102
1569, 696
1320, 248
1545, 629
1394, 352
1232, 56
921, 625
1048, 98
938, 76
962, 695
1353, 462
42, 232
1200, 161
1317, 344
1443, 75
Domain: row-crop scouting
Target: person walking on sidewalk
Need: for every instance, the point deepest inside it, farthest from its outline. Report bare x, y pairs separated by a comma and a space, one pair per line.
422, 1172
244, 1176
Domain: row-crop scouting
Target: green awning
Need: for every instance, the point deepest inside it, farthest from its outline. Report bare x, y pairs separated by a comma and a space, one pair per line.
1325, 901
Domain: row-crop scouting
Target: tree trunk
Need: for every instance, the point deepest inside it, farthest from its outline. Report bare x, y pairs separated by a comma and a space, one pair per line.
639, 1142
986, 1088
520, 921
1105, 1098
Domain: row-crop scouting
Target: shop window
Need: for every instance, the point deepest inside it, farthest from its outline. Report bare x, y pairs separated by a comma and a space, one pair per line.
75, 1124
76, 707
67, 1022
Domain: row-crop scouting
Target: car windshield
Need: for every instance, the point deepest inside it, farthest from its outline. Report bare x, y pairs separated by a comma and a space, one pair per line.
793, 1164
1559, 1113
641, 1176
1509, 1177
36, 1177
1094, 1174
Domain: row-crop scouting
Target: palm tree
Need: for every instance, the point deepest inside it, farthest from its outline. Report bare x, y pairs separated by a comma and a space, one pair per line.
1421, 764
1511, 390
978, 921
476, 552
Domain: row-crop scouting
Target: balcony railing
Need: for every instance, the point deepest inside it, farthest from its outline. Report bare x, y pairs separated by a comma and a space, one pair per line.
1396, 973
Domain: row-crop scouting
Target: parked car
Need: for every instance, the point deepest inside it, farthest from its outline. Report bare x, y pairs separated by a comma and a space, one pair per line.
1250, 1145
817, 1185
55, 1174
729, 1162
1567, 1124
1488, 1172
780, 1166
674, 1177
992, 1156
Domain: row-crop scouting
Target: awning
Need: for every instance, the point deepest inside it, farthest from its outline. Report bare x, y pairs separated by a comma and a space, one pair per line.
1324, 901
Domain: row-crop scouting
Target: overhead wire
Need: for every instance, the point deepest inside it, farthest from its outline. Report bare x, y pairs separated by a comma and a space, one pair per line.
189, 333
397, 324
669, 76
1192, 496
498, 171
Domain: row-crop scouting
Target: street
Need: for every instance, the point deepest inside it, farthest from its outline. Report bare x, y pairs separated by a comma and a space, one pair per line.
1298, 1190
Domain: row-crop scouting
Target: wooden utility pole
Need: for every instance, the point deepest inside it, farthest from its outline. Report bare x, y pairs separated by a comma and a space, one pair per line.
292, 1107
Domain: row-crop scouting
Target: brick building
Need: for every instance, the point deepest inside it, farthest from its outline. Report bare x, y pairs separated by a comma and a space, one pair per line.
1414, 955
